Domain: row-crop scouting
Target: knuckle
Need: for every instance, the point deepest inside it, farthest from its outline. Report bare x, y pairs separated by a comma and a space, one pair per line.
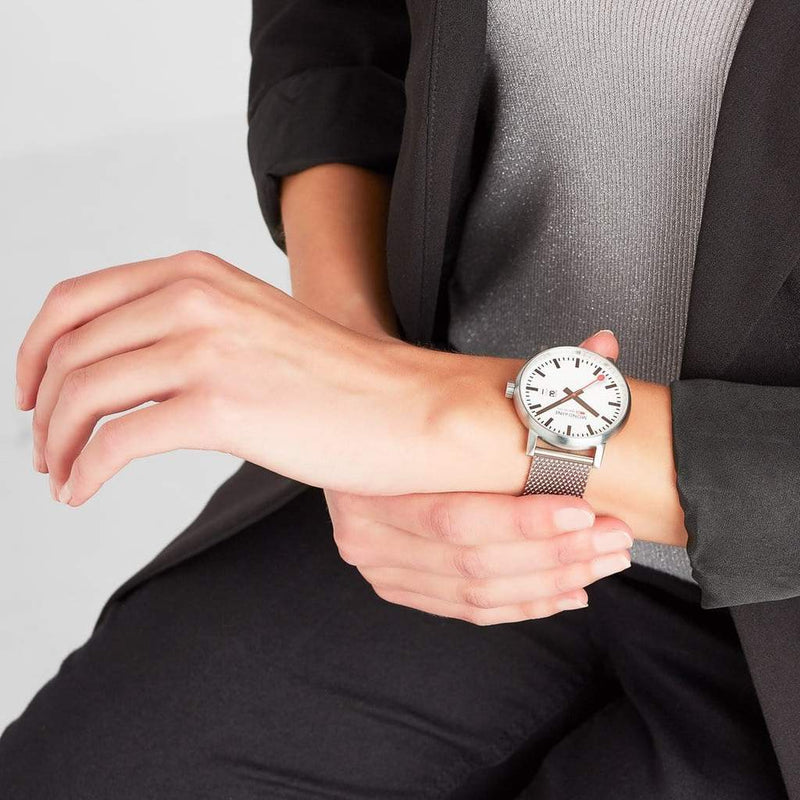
196, 260
349, 554
60, 349
535, 611
76, 473
565, 580
439, 521
476, 616
39, 429
196, 297
564, 551
342, 504
75, 384
109, 438
522, 521
469, 562
475, 593
343, 534
384, 592
62, 291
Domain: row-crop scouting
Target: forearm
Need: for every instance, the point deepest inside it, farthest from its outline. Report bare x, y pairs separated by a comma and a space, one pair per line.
335, 221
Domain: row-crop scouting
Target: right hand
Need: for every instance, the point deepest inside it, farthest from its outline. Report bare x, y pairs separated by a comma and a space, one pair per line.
481, 557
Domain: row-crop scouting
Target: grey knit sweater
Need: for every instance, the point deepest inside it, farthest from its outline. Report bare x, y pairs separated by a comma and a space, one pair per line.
601, 117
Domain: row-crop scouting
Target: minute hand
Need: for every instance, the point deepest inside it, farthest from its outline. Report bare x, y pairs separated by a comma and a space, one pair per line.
567, 397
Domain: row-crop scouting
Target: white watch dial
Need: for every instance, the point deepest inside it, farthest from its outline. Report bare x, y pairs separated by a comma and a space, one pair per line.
574, 393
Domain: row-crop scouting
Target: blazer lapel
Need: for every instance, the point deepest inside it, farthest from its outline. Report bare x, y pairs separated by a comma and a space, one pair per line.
443, 86
749, 237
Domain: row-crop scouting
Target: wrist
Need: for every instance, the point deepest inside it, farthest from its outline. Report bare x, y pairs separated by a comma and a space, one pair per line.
477, 443
474, 430
637, 480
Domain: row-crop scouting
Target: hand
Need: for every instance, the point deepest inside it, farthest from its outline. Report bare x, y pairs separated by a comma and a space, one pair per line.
483, 558
234, 365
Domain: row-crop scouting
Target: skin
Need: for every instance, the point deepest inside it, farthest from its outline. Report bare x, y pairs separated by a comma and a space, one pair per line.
420, 453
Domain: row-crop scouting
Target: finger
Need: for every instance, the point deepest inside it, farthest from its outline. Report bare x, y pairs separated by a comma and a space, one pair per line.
496, 592
603, 342
75, 301
175, 308
118, 383
475, 517
494, 559
536, 609
156, 428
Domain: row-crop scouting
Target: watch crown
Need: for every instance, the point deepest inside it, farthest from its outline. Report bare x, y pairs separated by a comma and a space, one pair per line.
510, 389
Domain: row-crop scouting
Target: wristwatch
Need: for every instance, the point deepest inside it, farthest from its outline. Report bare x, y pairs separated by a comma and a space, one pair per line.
572, 401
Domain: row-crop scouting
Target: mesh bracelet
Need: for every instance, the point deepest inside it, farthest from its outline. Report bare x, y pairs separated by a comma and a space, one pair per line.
556, 472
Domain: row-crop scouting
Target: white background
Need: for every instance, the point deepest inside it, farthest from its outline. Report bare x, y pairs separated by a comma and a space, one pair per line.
122, 136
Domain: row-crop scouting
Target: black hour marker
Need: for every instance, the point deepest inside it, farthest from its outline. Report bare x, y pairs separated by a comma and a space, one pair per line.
596, 371
547, 424
611, 386
613, 404
589, 428
577, 362
606, 419
532, 388
555, 361
569, 430
539, 372
537, 405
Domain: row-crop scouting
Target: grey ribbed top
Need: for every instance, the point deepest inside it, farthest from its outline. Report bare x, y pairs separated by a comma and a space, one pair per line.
586, 213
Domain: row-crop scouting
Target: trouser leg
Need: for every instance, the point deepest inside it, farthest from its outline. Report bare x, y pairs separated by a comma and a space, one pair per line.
266, 667
688, 724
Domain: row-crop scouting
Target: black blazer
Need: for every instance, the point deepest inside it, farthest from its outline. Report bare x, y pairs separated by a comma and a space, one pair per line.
393, 86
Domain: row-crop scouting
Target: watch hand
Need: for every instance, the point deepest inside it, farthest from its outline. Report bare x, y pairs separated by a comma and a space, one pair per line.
571, 395
553, 405
584, 404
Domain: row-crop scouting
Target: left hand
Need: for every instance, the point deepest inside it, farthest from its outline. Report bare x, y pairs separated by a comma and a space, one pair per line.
482, 558
234, 365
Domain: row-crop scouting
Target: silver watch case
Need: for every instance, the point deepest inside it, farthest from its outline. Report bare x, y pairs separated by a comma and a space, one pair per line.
537, 431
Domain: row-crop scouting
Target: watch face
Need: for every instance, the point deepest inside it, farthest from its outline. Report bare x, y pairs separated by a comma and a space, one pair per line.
573, 397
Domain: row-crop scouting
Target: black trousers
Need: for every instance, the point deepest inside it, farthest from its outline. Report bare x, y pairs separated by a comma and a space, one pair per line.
266, 667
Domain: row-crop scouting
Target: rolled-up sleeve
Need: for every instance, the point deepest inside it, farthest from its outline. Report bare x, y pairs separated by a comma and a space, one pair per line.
737, 459
326, 85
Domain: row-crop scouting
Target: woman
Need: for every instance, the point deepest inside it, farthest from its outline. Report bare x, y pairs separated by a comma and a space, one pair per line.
265, 666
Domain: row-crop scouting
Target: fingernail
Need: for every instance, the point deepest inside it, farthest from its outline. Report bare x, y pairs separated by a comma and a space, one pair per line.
611, 541
53, 490
573, 519
570, 604
608, 565
18, 396
65, 495
605, 330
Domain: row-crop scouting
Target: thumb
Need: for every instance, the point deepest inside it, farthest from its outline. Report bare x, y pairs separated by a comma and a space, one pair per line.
603, 342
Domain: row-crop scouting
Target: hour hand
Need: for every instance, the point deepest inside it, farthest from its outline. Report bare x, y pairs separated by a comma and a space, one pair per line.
581, 402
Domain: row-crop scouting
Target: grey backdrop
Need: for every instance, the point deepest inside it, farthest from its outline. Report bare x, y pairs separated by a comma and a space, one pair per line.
122, 137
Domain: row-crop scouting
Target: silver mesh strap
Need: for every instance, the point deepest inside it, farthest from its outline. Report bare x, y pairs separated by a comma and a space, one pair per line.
557, 474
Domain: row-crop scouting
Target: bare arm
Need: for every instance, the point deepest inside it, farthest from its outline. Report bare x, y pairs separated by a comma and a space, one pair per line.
335, 221
335, 217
